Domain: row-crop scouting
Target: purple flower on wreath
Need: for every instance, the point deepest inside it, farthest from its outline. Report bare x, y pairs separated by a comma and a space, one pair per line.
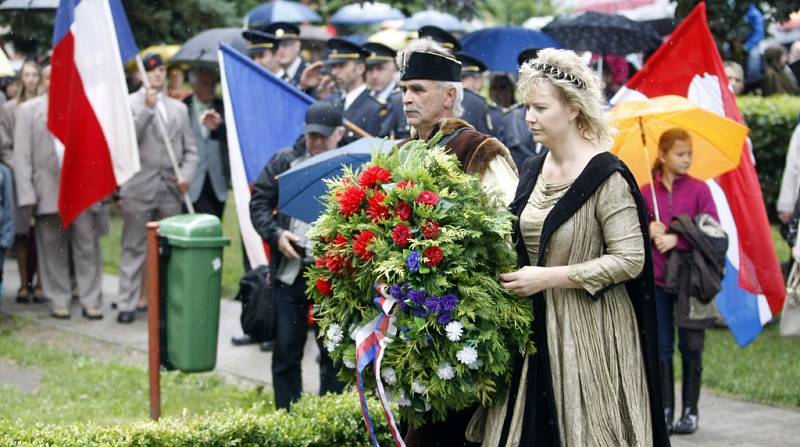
420, 312
444, 318
413, 261
396, 292
448, 302
417, 297
433, 304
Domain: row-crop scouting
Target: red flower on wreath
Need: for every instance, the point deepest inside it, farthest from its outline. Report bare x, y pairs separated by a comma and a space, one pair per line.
335, 262
434, 256
374, 175
403, 210
405, 184
323, 286
350, 200
360, 244
376, 210
319, 262
430, 229
401, 234
340, 241
428, 198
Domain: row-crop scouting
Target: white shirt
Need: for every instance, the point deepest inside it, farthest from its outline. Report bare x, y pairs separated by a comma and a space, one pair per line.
291, 71
161, 107
791, 175
350, 97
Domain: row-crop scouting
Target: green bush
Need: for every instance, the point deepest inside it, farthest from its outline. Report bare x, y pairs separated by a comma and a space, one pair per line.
331, 420
771, 120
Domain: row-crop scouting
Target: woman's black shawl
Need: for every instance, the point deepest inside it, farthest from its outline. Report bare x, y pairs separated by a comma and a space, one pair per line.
539, 425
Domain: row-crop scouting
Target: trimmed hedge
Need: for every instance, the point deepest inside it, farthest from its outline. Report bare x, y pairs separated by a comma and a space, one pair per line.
771, 120
331, 420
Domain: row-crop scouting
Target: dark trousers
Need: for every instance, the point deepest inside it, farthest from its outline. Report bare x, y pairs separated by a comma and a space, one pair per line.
290, 340
207, 202
690, 341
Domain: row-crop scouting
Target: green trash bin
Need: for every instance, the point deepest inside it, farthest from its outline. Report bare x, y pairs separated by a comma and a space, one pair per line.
192, 285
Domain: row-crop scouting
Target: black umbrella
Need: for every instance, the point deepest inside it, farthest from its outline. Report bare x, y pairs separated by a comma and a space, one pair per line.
603, 33
202, 48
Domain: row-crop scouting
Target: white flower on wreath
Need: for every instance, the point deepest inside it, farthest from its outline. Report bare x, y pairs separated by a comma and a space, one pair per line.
349, 363
403, 400
467, 355
330, 346
446, 371
418, 387
454, 330
389, 376
478, 363
334, 334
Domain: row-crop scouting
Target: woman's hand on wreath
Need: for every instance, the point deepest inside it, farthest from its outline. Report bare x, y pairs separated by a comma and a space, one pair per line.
527, 281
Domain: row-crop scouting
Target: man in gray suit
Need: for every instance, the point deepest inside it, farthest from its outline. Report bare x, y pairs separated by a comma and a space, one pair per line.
154, 192
209, 189
37, 169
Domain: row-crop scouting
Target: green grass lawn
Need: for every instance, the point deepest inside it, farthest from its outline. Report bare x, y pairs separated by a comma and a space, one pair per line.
232, 267
76, 388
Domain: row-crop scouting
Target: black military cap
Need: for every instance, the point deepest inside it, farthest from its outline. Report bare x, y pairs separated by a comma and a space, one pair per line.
258, 41
378, 53
527, 54
431, 66
322, 118
470, 65
152, 61
283, 30
437, 34
342, 50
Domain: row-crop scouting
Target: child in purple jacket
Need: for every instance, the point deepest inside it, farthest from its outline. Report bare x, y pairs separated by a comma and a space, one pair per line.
676, 193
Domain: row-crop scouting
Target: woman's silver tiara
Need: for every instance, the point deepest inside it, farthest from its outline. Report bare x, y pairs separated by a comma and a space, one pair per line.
552, 70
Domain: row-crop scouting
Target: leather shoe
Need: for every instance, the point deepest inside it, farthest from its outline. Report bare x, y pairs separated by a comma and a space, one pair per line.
126, 317
92, 313
62, 313
267, 346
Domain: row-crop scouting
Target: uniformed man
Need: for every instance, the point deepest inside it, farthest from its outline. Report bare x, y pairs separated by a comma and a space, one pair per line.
154, 192
263, 50
476, 110
431, 82
37, 160
348, 67
288, 35
381, 71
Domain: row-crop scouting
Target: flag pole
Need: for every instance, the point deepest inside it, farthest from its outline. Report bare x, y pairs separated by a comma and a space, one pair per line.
162, 128
357, 130
649, 170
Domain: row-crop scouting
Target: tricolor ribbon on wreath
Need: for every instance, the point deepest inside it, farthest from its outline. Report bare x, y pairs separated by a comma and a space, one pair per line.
371, 341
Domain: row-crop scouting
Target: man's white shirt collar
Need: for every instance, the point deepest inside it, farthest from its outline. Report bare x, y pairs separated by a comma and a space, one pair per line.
351, 97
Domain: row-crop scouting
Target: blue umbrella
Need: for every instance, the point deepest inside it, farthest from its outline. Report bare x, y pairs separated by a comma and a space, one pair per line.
279, 11
498, 47
443, 20
364, 13
301, 187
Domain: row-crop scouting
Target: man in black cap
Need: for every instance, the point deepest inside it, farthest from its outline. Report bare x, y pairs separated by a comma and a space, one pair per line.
291, 254
381, 70
442, 37
262, 49
288, 35
476, 111
348, 67
430, 77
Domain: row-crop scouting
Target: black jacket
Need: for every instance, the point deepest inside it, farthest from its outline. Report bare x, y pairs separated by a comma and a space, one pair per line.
539, 426
267, 221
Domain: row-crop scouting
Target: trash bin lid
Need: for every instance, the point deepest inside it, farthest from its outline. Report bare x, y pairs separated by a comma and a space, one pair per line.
193, 230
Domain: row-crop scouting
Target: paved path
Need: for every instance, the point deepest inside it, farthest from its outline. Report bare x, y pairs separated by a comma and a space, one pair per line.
724, 421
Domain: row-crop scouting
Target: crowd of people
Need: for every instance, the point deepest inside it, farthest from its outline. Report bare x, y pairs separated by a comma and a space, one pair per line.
591, 246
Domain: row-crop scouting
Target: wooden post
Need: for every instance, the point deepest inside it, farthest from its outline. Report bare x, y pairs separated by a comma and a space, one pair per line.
153, 320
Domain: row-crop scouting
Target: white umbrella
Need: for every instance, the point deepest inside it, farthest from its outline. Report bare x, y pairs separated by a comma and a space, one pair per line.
443, 20
9, 5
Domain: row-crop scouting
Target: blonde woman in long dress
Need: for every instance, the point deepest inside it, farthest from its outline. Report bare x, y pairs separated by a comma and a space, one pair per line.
581, 240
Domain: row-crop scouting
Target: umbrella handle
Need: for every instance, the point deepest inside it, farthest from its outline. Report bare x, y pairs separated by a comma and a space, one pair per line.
649, 171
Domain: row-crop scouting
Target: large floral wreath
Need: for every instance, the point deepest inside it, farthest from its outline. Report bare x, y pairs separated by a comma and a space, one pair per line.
410, 227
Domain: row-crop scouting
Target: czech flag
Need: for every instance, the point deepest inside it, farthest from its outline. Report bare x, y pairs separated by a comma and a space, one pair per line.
88, 111
688, 64
263, 115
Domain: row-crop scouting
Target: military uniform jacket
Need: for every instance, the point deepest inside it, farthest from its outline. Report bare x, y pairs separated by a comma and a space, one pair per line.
156, 176
212, 152
476, 111
365, 112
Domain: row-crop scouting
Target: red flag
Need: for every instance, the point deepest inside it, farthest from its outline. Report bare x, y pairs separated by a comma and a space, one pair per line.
688, 64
